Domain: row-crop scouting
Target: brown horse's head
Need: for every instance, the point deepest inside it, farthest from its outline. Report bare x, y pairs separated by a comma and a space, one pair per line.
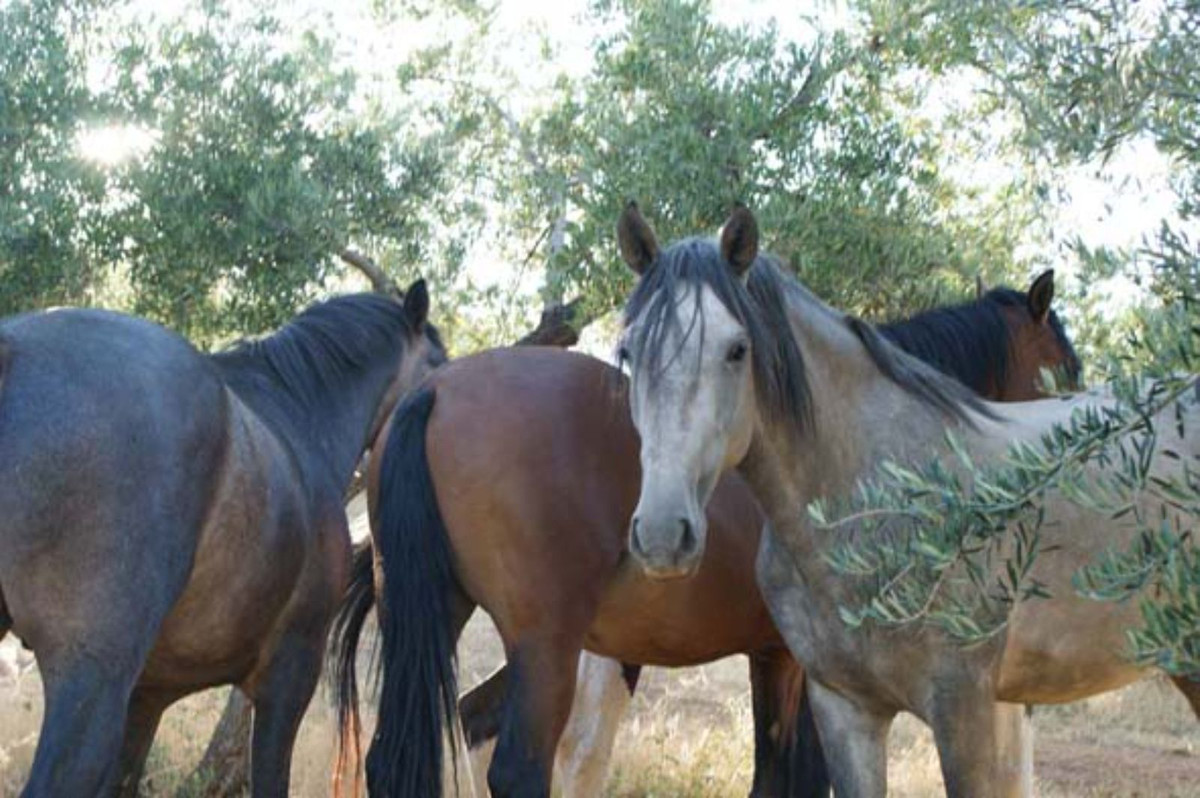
1037, 341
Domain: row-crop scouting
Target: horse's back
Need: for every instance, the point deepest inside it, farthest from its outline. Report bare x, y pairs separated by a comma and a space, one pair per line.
520, 446
109, 430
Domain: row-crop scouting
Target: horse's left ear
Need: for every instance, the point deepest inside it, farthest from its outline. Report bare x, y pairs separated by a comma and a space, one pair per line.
739, 239
980, 287
416, 304
1040, 295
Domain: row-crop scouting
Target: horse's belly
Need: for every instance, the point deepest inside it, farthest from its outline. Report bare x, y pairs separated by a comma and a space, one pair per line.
226, 614
1066, 649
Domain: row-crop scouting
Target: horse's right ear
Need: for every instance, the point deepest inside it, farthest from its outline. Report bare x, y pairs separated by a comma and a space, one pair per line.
739, 239
980, 288
416, 304
636, 240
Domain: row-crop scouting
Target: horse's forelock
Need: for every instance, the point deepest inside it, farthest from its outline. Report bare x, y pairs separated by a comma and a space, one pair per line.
779, 372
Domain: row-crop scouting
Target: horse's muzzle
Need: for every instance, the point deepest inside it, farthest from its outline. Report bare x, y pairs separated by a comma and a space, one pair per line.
667, 548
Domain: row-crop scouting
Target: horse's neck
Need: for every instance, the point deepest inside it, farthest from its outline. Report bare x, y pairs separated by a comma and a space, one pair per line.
860, 418
325, 431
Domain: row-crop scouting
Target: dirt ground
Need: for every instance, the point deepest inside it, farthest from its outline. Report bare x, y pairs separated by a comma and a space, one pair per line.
688, 733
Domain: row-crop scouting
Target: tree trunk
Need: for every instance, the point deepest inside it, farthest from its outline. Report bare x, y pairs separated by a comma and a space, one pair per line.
224, 769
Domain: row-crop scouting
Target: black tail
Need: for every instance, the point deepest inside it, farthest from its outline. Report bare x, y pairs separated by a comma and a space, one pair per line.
343, 648
807, 772
418, 696
788, 759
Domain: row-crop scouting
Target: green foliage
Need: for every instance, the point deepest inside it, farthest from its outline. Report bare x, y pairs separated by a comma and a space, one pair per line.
47, 195
263, 167
686, 116
260, 174
951, 543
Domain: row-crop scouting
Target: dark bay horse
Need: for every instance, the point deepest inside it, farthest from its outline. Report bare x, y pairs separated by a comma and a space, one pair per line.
735, 365
171, 521
508, 483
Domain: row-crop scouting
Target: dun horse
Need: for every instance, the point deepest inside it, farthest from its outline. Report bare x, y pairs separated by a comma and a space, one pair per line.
735, 365
171, 521
533, 465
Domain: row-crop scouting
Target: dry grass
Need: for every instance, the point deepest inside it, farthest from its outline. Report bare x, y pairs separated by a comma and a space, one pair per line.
688, 733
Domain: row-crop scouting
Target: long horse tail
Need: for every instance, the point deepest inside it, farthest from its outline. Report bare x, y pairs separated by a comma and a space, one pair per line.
347, 632
417, 701
788, 755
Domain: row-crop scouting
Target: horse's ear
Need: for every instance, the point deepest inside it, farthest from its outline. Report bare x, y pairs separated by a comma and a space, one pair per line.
636, 239
416, 304
739, 239
1040, 295
980, 288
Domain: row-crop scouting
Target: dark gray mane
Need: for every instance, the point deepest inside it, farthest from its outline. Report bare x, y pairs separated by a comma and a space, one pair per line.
917, 377
760, 306
780, 377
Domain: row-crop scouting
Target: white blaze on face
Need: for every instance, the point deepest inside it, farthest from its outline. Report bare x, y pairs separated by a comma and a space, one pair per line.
693, 420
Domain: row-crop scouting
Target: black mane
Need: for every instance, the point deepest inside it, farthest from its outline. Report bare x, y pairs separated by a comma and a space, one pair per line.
294, 372
780, 377
970, 341
779, 372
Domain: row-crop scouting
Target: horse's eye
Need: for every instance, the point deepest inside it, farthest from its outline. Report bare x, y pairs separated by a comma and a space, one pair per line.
737, 352
623, 354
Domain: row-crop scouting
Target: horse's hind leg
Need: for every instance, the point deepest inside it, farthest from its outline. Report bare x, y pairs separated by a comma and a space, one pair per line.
787, 754
1188, 685
604, 688
85, 708
91, 642
854, 739
541, 685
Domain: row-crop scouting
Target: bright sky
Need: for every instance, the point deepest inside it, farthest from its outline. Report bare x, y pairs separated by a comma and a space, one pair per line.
1117, 210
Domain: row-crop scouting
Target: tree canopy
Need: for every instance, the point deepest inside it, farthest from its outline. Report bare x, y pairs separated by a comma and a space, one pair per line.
891, 157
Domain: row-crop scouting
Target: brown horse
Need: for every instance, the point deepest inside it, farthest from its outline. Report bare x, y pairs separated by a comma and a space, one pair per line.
171, 521
503, 494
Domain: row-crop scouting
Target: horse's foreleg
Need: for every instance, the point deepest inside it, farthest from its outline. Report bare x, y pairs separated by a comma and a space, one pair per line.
603, 690
982, 745
280, 695
541, 685
145, 711
854, 739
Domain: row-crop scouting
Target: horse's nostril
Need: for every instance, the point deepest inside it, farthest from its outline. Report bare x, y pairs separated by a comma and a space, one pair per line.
687, 543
